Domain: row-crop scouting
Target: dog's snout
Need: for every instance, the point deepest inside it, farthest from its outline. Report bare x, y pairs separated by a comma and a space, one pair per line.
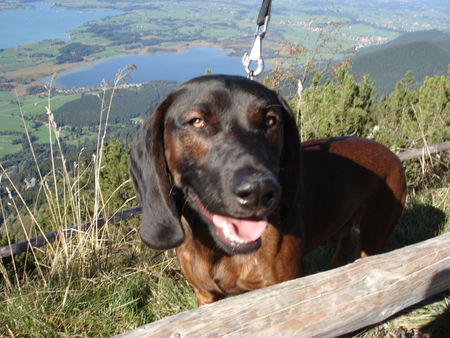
255, 191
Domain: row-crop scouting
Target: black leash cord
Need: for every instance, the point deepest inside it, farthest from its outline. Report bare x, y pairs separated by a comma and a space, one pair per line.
264, 12
255, 55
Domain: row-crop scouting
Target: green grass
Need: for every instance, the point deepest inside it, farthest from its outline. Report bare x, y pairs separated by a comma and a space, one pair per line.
138, 287
32, 105
88, 136
360, 29
11, 123
6, 146
5, 96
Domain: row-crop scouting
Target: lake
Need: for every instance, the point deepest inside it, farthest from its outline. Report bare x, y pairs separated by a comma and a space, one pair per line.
42, 23
45, 22
182, 66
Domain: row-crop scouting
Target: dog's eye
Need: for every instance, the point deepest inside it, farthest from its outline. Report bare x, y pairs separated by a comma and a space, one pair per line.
197, 122
271, 121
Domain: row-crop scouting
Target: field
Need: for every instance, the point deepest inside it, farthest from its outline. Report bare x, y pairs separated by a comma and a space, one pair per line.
16, 112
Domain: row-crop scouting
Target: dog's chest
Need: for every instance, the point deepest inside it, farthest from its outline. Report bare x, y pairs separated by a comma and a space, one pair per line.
238, 274
220, 275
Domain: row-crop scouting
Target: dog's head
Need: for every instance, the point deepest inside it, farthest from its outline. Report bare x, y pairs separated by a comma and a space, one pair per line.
229, 144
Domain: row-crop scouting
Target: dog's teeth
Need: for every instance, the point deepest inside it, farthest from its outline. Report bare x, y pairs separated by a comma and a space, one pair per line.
228, 234
226, 229
236, 239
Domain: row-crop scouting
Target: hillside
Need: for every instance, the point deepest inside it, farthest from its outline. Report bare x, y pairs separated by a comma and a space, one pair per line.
127, 104
425, 53
438, 38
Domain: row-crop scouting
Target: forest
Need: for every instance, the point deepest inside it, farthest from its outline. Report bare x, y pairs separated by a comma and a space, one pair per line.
76, 52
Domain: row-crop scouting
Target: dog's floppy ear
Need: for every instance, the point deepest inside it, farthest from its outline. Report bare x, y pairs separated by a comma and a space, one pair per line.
290, 165
160, 225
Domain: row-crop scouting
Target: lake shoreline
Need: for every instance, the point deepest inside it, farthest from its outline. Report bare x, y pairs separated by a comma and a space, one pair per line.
180, 65
33, 75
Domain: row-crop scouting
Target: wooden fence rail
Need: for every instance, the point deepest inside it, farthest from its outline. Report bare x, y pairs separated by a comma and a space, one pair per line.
327, 304
41, 240
415, 153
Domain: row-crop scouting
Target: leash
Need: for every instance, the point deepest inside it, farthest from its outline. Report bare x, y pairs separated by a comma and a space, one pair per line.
255, 55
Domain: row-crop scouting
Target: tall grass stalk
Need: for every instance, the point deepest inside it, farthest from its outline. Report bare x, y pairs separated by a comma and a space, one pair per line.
62, 193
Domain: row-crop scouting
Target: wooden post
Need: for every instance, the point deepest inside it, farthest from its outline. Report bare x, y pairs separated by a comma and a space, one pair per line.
327, 304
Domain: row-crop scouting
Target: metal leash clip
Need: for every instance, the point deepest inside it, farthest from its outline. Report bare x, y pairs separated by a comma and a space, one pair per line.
256, 52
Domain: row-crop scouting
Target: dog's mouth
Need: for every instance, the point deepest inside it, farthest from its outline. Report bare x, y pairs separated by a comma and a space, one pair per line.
240, 235
238, 230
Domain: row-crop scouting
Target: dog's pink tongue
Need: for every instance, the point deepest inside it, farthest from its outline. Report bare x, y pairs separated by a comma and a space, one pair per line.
246, 230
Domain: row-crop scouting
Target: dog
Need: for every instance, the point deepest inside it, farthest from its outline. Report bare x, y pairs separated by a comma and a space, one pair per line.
221, 175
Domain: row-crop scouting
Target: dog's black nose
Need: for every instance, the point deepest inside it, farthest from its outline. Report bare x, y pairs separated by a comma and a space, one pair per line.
256, 191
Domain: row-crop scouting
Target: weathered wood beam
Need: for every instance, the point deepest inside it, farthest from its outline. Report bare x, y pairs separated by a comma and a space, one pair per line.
327, 304
416, 153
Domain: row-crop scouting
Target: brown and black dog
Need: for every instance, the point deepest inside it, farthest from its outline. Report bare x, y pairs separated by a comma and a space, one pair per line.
221, 175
